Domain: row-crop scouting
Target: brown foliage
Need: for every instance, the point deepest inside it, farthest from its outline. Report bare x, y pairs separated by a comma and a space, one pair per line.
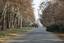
54, 13
14, 13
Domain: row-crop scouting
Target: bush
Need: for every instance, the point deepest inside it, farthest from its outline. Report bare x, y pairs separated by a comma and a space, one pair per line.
55, 28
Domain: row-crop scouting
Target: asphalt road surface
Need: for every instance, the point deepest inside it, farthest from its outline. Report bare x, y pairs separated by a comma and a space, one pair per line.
38, 35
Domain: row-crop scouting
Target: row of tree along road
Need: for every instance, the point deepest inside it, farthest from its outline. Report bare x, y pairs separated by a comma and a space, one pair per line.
53, 15
15, 13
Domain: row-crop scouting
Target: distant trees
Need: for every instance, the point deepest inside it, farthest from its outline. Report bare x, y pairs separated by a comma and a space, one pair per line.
43, 6
27, 11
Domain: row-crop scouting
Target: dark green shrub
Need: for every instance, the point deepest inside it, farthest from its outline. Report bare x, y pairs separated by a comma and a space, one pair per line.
53, 28
56, 28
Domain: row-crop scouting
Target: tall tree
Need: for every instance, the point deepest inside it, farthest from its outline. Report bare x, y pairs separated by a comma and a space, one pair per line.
15, 12
53, 13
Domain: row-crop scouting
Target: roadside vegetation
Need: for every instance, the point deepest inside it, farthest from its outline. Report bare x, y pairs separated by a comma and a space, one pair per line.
52, 16
10, 33
15, 17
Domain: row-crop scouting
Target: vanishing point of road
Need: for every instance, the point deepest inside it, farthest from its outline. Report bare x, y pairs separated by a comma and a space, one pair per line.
37, 35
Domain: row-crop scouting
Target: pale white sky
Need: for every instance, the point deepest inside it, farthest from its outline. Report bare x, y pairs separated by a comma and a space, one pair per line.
36, 4
36, 7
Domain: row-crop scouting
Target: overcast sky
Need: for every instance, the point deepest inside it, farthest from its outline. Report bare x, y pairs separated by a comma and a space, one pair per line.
36, 7
36, 4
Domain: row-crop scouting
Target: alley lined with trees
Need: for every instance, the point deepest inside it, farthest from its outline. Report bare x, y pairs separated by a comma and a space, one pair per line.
32, 25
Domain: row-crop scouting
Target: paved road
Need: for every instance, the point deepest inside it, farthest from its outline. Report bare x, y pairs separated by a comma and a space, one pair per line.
38, 35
